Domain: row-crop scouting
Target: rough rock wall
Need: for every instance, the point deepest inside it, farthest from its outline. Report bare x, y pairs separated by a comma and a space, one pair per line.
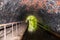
49, 10
9, 11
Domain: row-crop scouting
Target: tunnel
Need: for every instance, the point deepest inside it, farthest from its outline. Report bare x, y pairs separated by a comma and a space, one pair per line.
47, 13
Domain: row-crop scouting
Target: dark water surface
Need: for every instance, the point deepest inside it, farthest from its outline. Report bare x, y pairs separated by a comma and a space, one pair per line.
40, 34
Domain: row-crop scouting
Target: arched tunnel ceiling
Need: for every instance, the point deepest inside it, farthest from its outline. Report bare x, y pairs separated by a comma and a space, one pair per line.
48, 10
49, 5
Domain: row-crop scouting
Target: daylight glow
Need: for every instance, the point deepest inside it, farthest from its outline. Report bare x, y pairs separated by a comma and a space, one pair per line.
32, 27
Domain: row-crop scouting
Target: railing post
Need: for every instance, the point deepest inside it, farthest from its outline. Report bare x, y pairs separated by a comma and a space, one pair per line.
19, 27
16, 30
12, 30
4, 32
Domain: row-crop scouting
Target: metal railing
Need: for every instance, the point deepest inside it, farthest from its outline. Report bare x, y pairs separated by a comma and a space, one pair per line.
10, 25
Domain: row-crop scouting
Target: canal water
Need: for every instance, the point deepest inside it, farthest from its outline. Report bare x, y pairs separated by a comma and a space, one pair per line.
40, 34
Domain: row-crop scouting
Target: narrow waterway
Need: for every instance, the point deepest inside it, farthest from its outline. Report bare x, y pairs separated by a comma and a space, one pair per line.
40, 34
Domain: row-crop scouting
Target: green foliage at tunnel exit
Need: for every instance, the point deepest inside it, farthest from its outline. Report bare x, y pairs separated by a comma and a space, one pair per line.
32, 20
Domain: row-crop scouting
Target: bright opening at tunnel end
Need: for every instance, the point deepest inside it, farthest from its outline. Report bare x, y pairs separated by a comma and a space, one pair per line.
32, 23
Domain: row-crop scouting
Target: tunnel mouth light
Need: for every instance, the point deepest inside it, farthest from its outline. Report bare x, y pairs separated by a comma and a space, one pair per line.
32, 23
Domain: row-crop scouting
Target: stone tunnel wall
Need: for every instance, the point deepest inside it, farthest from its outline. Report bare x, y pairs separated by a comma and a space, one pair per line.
13, 10
9, 11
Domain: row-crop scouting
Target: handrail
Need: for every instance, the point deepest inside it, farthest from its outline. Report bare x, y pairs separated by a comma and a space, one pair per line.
10, 23
12, 26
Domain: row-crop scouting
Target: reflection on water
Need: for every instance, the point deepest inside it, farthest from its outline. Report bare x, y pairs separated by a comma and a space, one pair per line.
40, 34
